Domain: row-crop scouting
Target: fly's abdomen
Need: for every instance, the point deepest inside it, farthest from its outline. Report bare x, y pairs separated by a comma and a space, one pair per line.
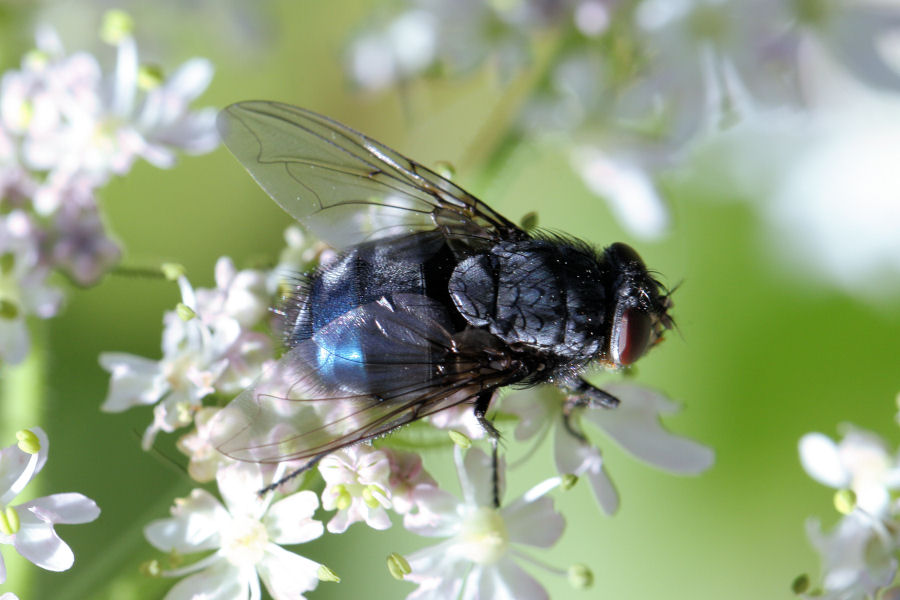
403, 280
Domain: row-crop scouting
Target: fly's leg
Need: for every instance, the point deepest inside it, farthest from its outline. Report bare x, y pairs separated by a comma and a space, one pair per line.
295, 473
581, 394
586, 394
481, 406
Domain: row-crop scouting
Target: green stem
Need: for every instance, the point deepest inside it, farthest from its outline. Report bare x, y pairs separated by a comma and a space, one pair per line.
22, 401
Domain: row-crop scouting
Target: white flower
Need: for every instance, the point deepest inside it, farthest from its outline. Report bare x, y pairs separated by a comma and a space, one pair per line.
209, 352
857, 559
408, 480
23, 284
205, 460
29, 527
402, 50
76, 121
860, 462
357, 485
478, 557
634, 425
245, 534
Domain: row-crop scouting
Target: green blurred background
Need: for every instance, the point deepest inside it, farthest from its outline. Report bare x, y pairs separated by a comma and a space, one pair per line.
760, 358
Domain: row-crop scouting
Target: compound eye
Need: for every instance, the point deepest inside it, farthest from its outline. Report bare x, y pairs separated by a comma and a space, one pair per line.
631, 336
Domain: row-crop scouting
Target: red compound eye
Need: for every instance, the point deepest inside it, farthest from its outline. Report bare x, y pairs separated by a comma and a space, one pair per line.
631, 336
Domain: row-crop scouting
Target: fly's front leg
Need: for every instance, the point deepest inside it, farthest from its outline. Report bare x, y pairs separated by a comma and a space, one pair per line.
481, 406
582, 393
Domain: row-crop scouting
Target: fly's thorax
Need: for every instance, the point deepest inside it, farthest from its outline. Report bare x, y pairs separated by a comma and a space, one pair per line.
544, 295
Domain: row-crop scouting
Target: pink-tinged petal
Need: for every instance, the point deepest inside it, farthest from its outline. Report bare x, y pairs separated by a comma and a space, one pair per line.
635, 425
533, 523
821, 459
289, 521
134, 381
7, 595
2, 570
193, 527
511, 582
37, 542
221, 581
70, 508
287, 575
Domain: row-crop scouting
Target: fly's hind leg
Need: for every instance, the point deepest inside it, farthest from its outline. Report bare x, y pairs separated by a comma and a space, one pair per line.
312, 462
481, 407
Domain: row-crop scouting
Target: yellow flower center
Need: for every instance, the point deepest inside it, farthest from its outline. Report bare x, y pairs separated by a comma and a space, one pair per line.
483, 537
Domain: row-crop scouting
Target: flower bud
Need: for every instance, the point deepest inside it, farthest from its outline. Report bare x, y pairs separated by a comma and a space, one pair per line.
117, 25
326, 574
460, 439
172, 271
568, 481
800, 584
398, 566
9, 521
580, 577
845, 501
185, 312
28, 442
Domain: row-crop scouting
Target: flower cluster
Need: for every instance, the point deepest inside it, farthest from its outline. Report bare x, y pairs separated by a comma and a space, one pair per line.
209, 344
29, 527
859, 555
67, 126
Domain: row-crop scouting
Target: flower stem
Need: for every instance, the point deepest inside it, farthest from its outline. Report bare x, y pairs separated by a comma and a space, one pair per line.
22, 399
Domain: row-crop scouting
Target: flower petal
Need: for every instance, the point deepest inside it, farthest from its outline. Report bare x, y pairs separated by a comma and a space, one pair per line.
289, 521
511, 582
287, 575
134, 380
579, 458
821, 459
439, 572
70, 508
239, 484
37, 542
533, 523
193, 527
635, 425
221, 581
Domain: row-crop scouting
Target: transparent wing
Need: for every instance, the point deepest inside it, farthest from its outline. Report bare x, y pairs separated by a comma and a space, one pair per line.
344, 186
402, 365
